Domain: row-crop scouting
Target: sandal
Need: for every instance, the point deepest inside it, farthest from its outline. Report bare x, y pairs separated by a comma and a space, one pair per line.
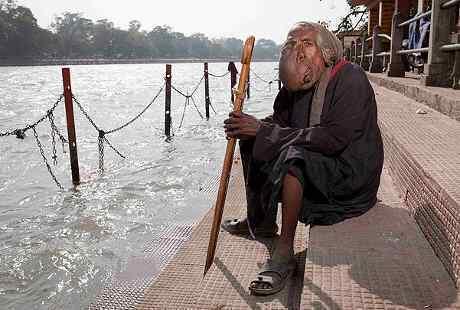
240, 227
275, 275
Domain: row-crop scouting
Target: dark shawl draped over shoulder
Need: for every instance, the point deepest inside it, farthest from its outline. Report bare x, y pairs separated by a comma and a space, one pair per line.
338, 161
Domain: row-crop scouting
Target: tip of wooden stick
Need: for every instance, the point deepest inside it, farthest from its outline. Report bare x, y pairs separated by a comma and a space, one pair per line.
247, 50
206, 269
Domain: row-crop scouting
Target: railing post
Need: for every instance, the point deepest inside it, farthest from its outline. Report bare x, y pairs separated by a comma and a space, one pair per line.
168, 101
233, 73
72, 137
437, 69
376, 62
248, 91
352, 51
364, 63
357, 42
396, 67
206, 89
455, 75
348, 53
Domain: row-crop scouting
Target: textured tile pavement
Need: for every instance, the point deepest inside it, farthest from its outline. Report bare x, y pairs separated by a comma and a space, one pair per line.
381, 260
181, 284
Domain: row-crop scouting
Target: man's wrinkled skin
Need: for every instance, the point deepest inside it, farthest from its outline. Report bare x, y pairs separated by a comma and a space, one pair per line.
301, 63
301, 66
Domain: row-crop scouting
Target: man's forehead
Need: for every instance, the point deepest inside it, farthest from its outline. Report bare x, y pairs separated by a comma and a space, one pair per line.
302, 32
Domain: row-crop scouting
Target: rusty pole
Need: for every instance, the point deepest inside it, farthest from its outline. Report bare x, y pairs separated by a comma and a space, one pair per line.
168, 101
206, 89
72, 137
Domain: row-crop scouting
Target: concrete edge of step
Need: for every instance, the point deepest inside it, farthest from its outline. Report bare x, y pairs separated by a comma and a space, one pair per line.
427, 201
436, 100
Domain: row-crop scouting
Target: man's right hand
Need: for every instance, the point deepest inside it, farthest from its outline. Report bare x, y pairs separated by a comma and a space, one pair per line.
241, 126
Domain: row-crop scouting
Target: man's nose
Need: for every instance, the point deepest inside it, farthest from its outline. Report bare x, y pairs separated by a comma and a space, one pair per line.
299, 52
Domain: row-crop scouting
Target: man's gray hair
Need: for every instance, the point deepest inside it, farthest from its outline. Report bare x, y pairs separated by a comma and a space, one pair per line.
330, 46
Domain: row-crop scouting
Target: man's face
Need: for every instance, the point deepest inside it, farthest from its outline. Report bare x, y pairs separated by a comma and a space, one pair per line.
301, 63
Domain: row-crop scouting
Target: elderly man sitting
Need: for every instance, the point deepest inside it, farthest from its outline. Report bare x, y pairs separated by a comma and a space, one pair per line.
320, 153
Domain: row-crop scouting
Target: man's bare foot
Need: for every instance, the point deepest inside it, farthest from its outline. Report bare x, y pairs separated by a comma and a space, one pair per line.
273, 276
241, 227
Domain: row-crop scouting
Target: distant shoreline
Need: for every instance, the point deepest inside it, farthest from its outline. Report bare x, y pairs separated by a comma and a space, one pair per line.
109, 61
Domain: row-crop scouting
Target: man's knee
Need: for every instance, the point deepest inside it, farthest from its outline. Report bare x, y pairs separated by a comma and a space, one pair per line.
291, 183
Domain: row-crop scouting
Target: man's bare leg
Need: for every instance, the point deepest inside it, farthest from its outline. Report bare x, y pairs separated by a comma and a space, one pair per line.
292, 196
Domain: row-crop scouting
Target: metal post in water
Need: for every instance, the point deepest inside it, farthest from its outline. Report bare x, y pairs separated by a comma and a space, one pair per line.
168, 101
72, 137
206, 89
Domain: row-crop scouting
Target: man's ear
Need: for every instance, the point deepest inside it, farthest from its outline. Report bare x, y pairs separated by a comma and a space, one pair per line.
328, 56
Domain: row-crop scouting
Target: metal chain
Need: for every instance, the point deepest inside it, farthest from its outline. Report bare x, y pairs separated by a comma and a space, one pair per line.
212, 107
101, 139
85, 113
219, 75
45, 160
113, 148
194, 103
198, 85
192, 93
260, 78
138, 115
20, 133
53, 139
56, 129
101, 151
187, 101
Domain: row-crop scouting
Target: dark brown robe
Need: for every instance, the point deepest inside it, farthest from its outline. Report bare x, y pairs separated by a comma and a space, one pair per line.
338, 162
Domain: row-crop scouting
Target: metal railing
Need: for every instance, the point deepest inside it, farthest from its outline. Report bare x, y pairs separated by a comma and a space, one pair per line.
415, 18
378, 57
449, 4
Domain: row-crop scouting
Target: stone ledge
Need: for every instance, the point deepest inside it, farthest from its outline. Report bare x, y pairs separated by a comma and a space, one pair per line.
423, 156
444, 100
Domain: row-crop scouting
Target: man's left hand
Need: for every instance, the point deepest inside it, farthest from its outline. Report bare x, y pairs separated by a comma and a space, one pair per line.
241, 125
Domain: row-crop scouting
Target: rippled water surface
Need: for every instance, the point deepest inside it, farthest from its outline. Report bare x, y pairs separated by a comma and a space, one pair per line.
59, 248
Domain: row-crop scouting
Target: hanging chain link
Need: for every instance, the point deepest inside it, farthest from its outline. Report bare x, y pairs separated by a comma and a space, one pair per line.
101, 150
138, 115
45, 160
90, 120
53, 138
219, 75
20, 133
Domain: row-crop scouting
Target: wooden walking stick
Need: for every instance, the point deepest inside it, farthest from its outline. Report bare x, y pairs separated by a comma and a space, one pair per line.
228, 159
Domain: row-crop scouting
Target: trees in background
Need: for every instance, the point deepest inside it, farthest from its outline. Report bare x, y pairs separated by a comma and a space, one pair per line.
356, 19
74, 36
19, 33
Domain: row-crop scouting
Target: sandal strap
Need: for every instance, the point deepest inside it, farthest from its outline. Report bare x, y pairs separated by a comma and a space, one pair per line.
281, 269
261, 279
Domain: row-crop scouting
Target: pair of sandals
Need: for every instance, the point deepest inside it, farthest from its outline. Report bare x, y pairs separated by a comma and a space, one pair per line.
273, 276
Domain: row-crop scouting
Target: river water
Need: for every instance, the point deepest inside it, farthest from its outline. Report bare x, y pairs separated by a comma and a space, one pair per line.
60, 248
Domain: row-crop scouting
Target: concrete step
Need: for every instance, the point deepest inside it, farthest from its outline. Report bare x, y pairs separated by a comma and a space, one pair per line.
423, 156
381, 260
443, 100
181, 284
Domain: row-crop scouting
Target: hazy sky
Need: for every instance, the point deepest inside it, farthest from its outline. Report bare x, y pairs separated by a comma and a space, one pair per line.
214, 18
